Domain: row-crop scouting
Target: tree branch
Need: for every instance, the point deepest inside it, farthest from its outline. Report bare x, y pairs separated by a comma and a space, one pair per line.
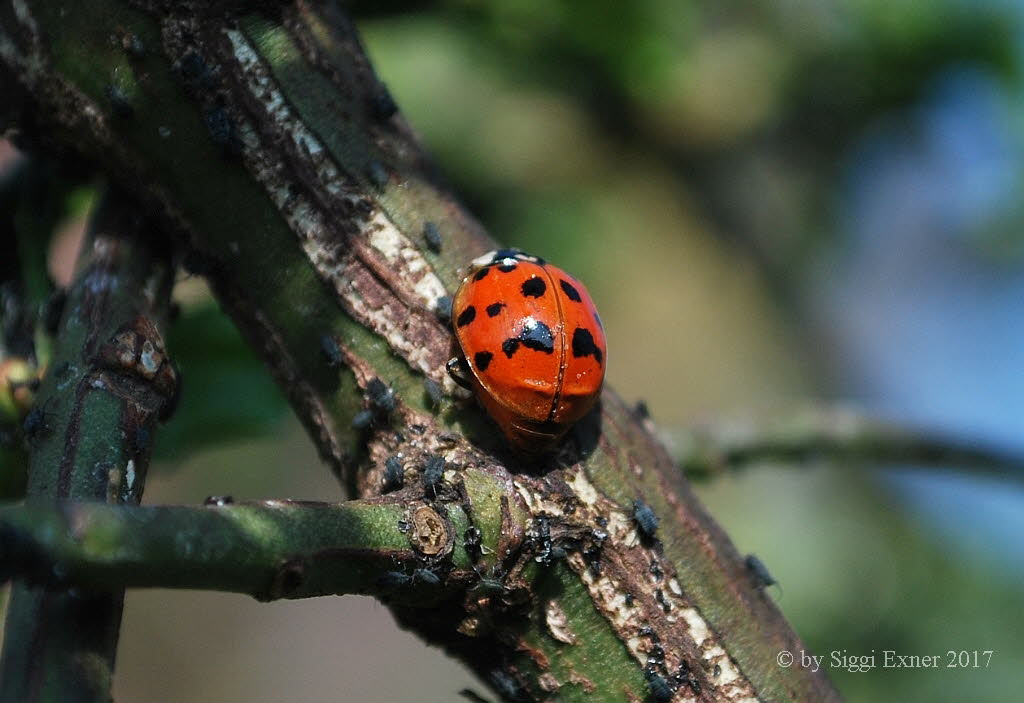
268, 549
91, 438
836, 435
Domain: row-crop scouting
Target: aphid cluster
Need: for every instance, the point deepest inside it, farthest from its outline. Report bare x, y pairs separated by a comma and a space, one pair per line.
663, 687
401, 579
380, 403
684, 676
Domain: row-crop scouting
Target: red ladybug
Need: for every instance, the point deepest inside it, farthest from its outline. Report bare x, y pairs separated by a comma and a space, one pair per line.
532, 341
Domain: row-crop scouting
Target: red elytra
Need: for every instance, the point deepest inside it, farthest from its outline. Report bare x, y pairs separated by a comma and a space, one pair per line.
532, 339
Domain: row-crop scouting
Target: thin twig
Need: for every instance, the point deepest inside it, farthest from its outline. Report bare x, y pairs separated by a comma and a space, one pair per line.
838, 435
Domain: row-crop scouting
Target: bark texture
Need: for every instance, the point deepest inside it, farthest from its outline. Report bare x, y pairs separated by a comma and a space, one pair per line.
259, 136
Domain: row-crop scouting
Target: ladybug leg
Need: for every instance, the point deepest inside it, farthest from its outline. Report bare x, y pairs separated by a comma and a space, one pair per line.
456, 367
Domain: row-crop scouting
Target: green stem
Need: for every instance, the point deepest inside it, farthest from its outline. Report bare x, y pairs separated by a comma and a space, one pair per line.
91, 438
268, 549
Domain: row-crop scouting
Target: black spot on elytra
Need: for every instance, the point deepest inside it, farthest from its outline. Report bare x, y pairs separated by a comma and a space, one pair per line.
479, 275
494, 308
466, 316
570, 292
537, 336
534, 287
482, 360
583, 345
508, 265
510, 346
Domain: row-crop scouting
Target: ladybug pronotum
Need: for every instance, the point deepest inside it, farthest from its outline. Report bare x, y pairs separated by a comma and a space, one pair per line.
532, 341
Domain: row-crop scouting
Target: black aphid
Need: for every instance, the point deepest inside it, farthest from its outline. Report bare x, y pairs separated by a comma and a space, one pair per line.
219, 501
363, 419
426, 576
658, 686
659, 595
759, 572
378, 174
331, 351
120, 102
646, 520
444, 309
394, 579
506, 685
655, 570
142, 440
382, 105
222, 130
432, 235
37, 423
435, 394
472, 540
433, 474
54, 309
380, 396
394, 474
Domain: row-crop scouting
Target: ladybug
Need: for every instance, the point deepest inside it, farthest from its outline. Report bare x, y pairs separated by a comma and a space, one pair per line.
533, 345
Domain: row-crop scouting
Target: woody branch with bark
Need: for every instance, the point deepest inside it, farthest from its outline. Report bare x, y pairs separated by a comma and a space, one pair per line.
268, 154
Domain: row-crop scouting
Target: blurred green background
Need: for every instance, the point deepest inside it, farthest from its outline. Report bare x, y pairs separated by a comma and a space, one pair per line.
772, 204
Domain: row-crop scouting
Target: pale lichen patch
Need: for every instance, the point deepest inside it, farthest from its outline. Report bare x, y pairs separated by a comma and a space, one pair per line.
129, 475
558, 624
583, 488
360, 285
